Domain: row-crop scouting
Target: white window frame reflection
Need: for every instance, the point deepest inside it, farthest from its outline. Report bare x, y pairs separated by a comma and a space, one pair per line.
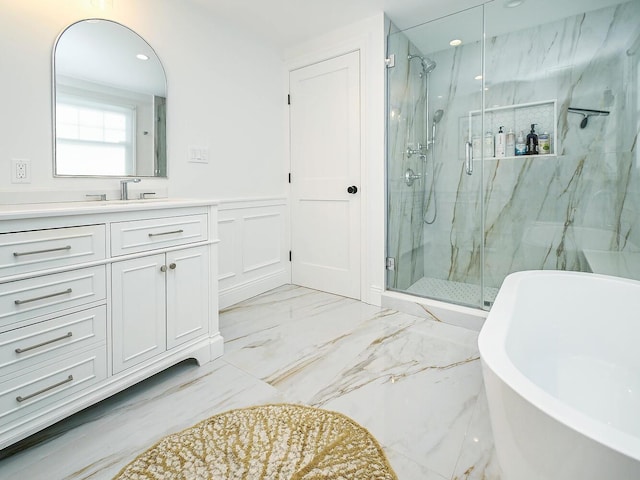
94, 137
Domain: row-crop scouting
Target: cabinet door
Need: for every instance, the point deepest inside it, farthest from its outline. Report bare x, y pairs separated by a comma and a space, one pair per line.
187, 295
139, 310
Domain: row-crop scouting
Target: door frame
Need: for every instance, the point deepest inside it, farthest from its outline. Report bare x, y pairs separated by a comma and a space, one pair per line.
367, 37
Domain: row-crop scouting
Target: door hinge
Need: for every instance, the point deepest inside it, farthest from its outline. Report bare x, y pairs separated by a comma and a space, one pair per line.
289, 255
289, 99
289, 177
390, 263
390, 62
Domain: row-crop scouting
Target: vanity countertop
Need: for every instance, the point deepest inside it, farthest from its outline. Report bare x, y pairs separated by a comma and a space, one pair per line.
35, 210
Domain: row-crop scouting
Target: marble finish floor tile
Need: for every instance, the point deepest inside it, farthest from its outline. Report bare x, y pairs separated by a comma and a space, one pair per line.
414, 383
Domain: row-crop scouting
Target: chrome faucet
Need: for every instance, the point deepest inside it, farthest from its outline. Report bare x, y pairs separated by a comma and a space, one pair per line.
124, 187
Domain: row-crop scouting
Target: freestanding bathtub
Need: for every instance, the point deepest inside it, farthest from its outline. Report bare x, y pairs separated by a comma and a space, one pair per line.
561, 363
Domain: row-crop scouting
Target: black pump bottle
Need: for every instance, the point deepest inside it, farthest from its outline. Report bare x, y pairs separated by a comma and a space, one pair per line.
532, 141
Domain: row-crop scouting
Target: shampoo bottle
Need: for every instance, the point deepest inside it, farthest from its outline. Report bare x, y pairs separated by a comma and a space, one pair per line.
501, 140
544, 143
532, 141
488, 148
521, 147
511, 144
476, 147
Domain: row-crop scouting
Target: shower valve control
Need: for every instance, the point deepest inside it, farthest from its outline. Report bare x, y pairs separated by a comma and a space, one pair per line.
410, 176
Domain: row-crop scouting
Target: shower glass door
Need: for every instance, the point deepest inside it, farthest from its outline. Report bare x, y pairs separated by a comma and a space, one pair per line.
435, 227
456, 227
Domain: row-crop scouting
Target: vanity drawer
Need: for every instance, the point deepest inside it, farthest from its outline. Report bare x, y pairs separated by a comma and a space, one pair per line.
141, 235
45, 341
44, 387
24, 252
31, 297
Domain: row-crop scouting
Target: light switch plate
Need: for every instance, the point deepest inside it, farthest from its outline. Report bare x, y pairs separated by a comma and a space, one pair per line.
198, 154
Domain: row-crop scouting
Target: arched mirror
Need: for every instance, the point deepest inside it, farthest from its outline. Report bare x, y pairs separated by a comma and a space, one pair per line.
110, 94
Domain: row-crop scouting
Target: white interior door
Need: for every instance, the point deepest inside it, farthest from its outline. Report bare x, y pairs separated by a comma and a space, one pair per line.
325, 169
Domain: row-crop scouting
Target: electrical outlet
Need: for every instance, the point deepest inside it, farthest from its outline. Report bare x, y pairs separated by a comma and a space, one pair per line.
20, 171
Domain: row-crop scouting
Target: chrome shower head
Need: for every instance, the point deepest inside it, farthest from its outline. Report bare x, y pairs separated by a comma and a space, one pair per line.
428, 65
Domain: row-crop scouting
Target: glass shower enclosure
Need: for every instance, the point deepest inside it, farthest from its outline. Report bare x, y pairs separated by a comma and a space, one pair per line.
472, 193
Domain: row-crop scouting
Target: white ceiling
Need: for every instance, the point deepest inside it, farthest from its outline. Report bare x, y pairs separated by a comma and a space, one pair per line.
286, 23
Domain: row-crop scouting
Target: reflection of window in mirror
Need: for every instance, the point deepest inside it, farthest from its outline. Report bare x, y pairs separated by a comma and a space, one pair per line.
102, 130
110, 103
94, 136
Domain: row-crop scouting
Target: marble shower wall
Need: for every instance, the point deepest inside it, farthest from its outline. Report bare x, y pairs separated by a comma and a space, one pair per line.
540, 211
405, 128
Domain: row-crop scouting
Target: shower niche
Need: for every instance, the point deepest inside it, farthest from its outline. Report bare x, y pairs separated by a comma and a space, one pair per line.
516, 118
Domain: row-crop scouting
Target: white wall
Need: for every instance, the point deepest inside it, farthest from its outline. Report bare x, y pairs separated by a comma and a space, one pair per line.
224, 92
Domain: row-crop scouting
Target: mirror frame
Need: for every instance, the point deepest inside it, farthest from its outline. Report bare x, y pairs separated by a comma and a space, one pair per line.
54, 102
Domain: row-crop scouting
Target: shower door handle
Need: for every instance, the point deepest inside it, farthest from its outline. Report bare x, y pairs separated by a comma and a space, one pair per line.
468, 158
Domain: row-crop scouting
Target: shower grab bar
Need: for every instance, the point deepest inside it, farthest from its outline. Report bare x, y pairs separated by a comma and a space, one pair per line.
468, 155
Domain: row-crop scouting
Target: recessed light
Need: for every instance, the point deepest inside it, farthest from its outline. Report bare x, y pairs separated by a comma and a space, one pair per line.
513, 3
478, 77
455, 42
142, 56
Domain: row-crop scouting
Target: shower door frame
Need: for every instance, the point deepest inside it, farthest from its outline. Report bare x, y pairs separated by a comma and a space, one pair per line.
391, 261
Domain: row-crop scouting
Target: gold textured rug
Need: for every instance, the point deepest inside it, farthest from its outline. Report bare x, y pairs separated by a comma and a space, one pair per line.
269, 442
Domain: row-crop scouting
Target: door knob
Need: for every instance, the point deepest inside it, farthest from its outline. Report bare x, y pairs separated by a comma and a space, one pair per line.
352, 189
172, 266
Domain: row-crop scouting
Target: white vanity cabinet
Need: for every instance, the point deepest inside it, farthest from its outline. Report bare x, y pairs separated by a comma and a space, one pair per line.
96, 296
158, 302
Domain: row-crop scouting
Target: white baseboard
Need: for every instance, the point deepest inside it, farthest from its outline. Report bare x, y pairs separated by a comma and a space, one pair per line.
239, 292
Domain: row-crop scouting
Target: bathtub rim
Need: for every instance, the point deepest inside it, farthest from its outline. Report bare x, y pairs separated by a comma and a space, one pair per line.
492, 347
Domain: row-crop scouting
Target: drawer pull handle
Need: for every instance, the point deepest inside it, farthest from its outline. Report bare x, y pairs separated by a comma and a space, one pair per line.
53, 340
165, 233
46, 389
20, 254
20, 302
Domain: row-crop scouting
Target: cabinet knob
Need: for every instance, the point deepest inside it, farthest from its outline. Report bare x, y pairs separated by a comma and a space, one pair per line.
172, 266
163, 268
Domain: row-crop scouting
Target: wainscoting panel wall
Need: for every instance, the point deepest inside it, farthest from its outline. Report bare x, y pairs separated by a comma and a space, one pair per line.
253, 249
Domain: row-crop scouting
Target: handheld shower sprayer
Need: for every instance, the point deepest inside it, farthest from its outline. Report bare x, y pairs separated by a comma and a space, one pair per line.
437, 116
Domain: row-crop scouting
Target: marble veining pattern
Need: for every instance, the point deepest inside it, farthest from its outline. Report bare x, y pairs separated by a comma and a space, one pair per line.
414, 383
538, 212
